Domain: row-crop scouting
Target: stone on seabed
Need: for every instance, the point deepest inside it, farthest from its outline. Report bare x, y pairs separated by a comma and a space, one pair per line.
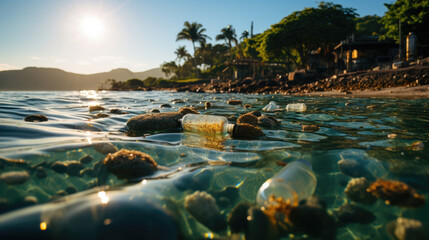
396, 193
356, 191
268, 122
248, 118
407, 229
36, 118
130, 164
234, 102
104, 148
186, 110
154, 122
202, 206
247, 131
14, 177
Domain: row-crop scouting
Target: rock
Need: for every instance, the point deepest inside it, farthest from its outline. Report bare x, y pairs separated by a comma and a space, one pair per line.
407, 229
101, 115
155, 110
154, 122
95, 108
237, 219
59, 167
165, 105
41, 172
186, 110
259, 226
392, 135
268, 122
70, 190
29, 201
207, 105
354, 168
230, 192
234, 102
36, 118
73, 168
247, 131
349, 213
356, 191
104, 148
396, 193
13, 162
311, 217
116, 111
232, 118
130, 164
310, 128
248, 118
247, 106
14, 177
86, 159
202, 206
417, 146
256, 113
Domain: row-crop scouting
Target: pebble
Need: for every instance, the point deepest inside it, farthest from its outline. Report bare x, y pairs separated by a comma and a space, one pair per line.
186, 110
95, 108
41, 172
165, 105
14, 177
417, 146
130, 164
247, 106
396, 193
407, 229
310, 128
86, 159
248, 118
234, 102
154, 122
36, 118
247, 131
59, 167
207, 105
104, 148
202, 206
116, 111
256, 113
155, 110
392, 135
356, 191
101, 115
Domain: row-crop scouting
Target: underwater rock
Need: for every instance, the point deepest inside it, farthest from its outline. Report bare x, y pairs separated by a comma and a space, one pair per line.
311, 217
356, 191
268, 122
247, 131
41, 172
14, 177
59, 167
165, 105
95, 108
13, 162
234, 102
36, 118
417, 146
259, 226
396, 193
247, 106
86, 159
104, 148
186, 110
70, 190
130, 164
256, 113
354, 168
202, 206
248, 118
154, 122
117, 111
226, 195
101, 115
208, 105
73, 167
237, 218
407, 229
310, 128
350, 213
29, 201
155, 110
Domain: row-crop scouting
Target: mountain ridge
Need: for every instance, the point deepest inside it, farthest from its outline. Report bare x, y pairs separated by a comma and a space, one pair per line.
50, 79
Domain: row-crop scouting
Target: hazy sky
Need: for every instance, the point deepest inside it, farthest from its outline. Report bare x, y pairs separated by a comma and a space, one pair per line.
86, 36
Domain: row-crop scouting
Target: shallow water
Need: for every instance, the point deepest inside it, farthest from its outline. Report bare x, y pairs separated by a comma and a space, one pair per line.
348, 130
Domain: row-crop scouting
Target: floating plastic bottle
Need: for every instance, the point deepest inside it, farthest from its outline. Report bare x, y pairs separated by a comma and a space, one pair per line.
296, 107
208, 124
296, 177
271, 107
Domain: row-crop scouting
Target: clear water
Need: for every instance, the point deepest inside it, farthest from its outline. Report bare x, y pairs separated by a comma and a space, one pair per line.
348, 129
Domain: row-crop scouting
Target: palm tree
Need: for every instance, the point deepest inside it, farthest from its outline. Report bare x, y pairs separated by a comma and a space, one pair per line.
193, 32
228, 34
182, 53
244, 35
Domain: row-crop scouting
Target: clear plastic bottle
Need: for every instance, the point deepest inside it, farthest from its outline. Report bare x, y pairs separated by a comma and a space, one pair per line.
208, 124
296, 176
296, 107
271, 107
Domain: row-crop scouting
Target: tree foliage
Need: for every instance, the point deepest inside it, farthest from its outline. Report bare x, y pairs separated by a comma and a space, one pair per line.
193, 32
369, 25
414, 17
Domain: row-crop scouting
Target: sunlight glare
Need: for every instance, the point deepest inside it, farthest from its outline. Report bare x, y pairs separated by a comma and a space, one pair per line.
92, 27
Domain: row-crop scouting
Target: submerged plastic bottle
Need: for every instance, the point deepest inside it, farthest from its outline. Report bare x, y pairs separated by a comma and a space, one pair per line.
296, 176
271, 107
296, 107
208, 124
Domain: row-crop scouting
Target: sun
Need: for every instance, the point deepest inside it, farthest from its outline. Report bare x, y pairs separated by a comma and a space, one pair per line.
92, 27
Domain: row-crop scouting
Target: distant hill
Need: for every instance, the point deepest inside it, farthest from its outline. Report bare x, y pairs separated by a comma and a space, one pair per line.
33, 78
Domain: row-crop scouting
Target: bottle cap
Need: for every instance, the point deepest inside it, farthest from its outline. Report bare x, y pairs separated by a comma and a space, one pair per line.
230, 128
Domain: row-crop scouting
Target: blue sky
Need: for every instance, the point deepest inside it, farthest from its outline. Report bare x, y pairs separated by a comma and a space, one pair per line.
134, 34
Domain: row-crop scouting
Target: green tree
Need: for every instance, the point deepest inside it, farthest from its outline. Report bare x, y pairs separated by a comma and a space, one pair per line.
244, 35
414, 17
296, 35
169, 68
182, 53
227, 34
193, 32
369, 25
134, 83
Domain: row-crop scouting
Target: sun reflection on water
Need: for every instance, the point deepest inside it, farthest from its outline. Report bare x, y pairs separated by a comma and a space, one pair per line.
103, 197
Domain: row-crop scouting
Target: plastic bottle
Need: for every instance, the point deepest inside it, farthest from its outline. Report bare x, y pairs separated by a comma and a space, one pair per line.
208, 124
296, 176
271, 107
296, 107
